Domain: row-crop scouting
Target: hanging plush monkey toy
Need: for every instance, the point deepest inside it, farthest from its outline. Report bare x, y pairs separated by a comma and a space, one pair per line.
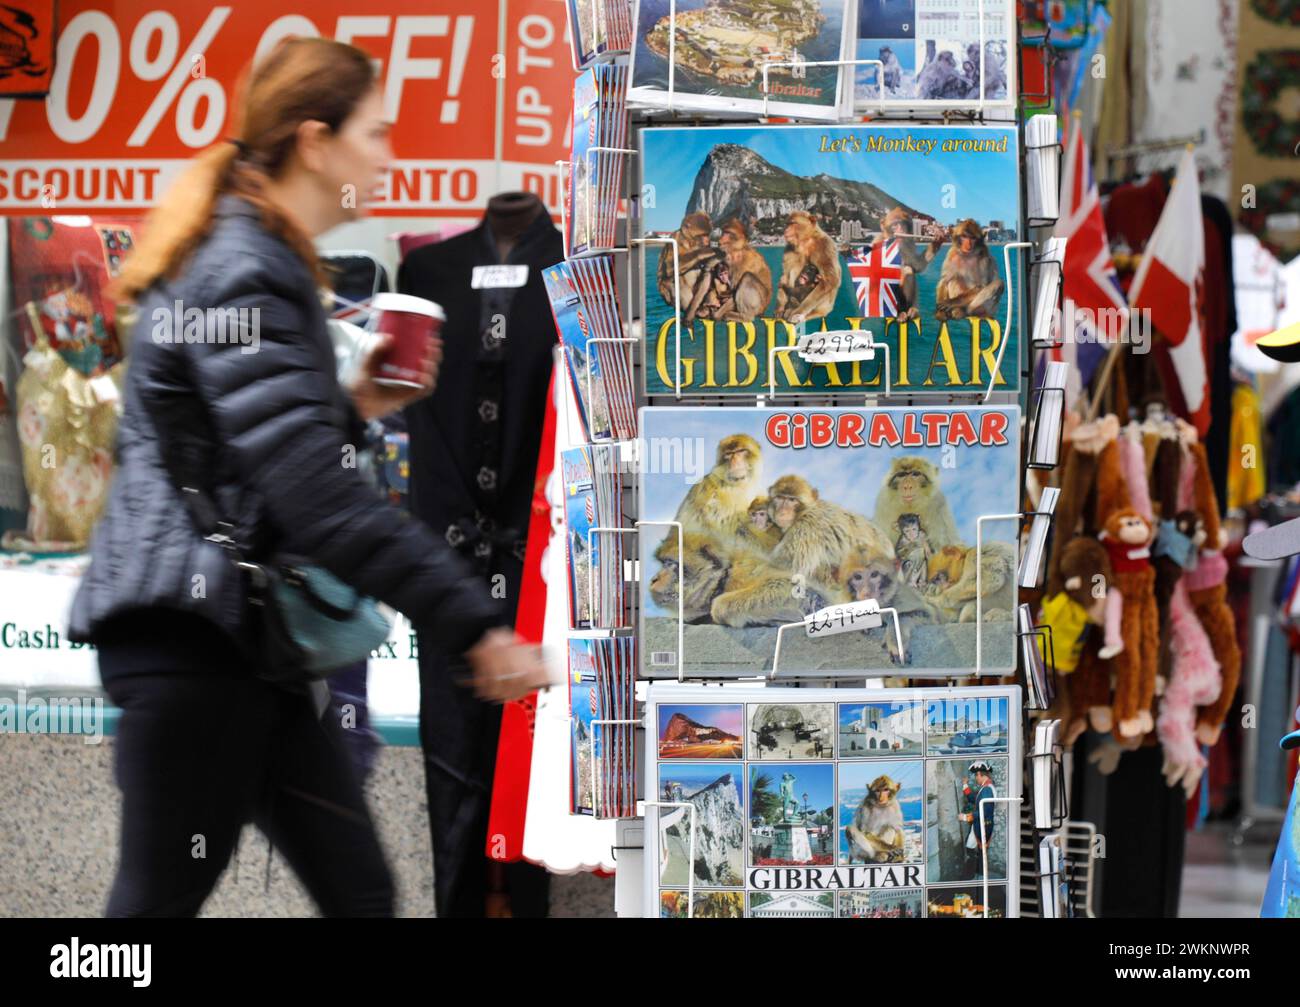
1207, 589
1194, 681
1126, 536
1089, 599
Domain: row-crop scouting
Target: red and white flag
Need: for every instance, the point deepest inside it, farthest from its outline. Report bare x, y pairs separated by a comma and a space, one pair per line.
1093, 299
1170, 282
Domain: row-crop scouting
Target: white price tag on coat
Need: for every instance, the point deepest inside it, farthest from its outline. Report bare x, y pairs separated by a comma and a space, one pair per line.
491, 277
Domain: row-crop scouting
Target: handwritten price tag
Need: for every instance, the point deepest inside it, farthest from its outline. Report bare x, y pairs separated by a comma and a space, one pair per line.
836, 347
490, 277
843, 618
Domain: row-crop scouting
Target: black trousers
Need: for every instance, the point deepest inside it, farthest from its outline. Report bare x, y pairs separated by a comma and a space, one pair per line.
198, 756
1144, 822
459, 736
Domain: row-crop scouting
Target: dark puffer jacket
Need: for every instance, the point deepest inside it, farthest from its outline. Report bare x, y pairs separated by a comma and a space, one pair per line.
272, 436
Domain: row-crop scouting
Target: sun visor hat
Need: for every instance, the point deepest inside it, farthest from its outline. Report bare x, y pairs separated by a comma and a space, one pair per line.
1278, 542
1283, 345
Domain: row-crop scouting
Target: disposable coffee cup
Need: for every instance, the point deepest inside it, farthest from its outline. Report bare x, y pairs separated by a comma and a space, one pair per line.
413, 323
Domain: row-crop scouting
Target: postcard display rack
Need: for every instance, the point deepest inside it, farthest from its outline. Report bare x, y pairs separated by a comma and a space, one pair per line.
798, 410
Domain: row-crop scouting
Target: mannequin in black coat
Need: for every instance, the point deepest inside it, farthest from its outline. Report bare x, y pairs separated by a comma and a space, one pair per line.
474, 447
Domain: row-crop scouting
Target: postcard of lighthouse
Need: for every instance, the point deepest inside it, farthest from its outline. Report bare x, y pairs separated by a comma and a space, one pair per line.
710, 55
785, 513
763, 236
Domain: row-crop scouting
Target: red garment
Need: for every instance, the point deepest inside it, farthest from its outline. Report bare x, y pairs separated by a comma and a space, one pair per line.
505, 835
1125, 558
1131, 213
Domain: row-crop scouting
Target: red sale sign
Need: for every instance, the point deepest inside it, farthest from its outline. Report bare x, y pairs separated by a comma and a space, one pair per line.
479, 93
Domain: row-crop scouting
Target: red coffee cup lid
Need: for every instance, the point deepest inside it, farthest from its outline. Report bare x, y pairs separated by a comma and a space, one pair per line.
408, 303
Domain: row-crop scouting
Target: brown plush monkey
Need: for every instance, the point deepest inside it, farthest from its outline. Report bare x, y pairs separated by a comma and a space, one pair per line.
1079, 473
1126, 536
1164, 474
1086, 578
1207, 589
1206, 583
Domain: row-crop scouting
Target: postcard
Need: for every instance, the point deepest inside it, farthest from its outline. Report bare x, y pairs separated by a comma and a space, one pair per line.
701, 731
935, 53
709, 55
785, 512
781, 232
791, 731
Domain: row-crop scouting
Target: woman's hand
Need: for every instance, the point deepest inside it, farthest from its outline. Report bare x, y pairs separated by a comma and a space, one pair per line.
375, 400
505, 667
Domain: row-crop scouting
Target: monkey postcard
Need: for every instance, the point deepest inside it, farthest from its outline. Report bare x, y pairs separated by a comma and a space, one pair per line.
584, 305
718, 50
595, 164
584, 707
882, 812
929, 54
781, 232
851, 831
597, 26
785, 512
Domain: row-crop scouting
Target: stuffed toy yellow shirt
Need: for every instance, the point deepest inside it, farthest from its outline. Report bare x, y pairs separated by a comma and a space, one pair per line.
1246, 453
1069, 622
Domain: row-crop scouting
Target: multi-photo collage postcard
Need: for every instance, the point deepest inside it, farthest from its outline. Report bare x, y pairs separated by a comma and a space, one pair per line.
857, 803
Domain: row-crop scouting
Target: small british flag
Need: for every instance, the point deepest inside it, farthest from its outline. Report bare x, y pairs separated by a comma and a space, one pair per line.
877, 274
